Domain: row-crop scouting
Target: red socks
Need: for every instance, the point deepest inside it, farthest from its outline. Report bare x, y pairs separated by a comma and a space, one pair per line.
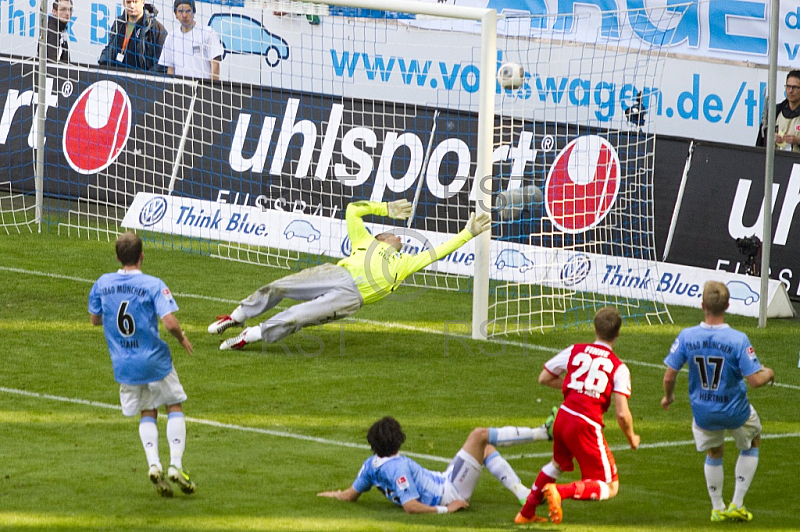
535, 497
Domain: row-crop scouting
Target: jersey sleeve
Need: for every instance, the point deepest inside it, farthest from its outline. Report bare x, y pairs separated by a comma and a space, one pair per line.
558, 364
95, 305
359, 236
411, 264
363, 482
677, 354
748, 361
622, 380
164, 302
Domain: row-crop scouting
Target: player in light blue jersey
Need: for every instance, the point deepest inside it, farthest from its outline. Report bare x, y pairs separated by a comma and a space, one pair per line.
418, 490
720, 359
128, 304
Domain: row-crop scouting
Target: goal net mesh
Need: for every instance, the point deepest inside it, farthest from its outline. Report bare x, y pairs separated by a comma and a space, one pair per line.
317, 106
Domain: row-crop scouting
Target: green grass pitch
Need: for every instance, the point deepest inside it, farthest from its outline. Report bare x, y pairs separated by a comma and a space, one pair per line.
269, 428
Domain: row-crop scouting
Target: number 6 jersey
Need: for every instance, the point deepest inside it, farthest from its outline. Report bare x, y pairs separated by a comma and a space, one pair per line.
593, 373
131, 303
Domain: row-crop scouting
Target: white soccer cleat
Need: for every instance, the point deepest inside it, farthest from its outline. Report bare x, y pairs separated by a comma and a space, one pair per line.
222, 324
237, 342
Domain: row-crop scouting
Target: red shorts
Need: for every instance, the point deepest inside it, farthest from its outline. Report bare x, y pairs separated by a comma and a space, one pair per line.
577, 437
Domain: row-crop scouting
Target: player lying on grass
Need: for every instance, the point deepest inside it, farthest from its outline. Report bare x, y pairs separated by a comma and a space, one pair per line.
420, 491
328, 292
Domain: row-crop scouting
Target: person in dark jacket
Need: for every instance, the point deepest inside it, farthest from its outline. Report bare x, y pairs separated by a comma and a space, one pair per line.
57, 35
136, 39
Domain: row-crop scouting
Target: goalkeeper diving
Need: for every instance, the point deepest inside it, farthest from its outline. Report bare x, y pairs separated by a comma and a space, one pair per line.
328, 292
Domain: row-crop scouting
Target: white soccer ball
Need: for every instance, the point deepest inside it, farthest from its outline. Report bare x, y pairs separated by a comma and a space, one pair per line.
510, 203
511, 75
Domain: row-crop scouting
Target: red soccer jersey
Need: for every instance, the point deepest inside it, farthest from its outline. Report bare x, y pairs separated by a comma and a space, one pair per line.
593, 373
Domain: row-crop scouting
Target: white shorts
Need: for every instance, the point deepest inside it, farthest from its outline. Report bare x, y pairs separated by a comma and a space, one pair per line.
461, 477
137, 397
743, 436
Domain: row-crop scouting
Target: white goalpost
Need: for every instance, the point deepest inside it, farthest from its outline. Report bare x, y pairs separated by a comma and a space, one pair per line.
320, 104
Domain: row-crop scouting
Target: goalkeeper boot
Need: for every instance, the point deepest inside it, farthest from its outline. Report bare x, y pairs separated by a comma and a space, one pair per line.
237, 342
548, 424
740, 513
159, 481
553, 502
181, 478
222, 324
718, 516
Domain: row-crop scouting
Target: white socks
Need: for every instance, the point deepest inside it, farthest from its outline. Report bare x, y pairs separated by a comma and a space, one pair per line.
252, 334
502, 470
176, 435
148, 433
505, 436
238, 315
746, 467
714, 480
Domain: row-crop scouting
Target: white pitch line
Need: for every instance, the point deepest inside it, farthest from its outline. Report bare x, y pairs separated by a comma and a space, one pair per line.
326, 441
218, 424
390, 325
657, 445
92, 281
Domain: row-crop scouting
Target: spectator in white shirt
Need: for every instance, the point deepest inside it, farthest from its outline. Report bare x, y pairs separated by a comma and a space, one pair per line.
194, 51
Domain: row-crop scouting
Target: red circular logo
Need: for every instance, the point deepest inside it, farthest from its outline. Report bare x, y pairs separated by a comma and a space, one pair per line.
97, 127
582, 185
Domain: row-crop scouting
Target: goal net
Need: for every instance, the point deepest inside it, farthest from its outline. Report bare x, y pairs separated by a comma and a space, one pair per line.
318, 105
574, 218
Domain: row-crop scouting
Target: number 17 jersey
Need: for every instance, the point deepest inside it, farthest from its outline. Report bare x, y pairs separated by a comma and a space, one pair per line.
593, 373
131, 303
718, 358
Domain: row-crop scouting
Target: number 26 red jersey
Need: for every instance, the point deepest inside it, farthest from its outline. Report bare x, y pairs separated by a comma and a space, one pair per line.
593, 373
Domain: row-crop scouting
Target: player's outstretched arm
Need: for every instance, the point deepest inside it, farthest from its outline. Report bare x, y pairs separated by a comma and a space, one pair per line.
625, 419
174, 328
348, 495
416, 507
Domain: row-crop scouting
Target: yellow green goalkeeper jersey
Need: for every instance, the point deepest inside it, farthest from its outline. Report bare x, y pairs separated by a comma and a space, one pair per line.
375, 266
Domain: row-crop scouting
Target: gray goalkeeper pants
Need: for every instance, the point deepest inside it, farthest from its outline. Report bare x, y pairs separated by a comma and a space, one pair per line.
328, 293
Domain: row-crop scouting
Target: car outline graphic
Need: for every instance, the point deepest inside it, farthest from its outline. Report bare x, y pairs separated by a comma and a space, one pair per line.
301, 229
513, 259
741, 291
242, 34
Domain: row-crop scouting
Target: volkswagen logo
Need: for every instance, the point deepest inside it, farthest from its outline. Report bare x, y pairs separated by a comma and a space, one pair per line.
153, 211
576, 270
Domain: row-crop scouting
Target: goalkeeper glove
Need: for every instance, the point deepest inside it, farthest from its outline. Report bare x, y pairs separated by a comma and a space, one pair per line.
400, 209
478, 224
